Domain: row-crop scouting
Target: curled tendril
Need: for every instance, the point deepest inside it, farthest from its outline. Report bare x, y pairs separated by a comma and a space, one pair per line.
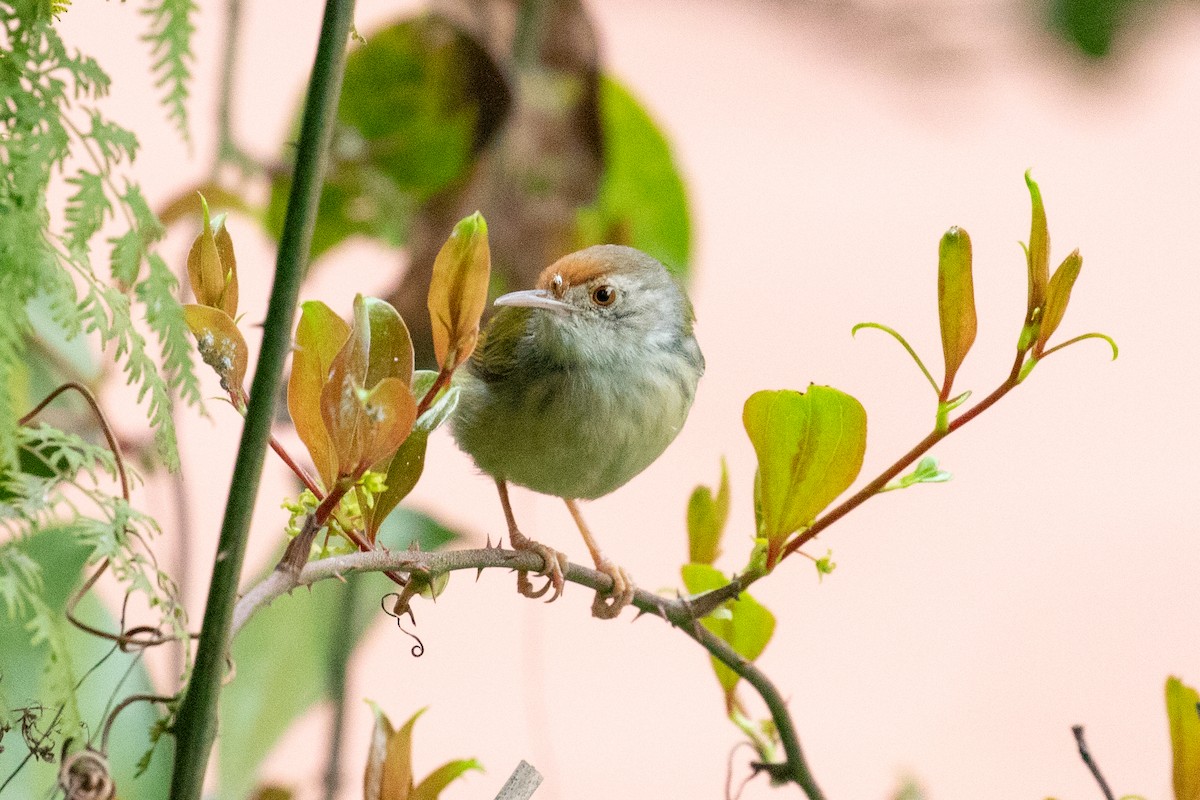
418, 649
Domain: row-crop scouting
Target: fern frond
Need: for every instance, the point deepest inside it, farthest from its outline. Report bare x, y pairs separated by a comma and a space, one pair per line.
165, 316
86, 211
170, 37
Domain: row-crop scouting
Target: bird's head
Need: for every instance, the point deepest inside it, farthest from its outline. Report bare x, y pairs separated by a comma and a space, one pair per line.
607, 302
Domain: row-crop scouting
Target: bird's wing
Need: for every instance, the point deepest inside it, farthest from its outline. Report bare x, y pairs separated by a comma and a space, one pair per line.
495, 357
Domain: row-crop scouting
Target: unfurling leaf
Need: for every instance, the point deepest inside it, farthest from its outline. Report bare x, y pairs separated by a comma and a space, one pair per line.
706, 517
220, 344
367, 421
744, 624
1058, 296
458, 292
810, 448
212, 268
956, 302
1037, 254
389, 772
1183, 714
319, 337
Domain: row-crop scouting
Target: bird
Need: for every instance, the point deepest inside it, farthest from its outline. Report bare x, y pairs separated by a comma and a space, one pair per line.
577, 386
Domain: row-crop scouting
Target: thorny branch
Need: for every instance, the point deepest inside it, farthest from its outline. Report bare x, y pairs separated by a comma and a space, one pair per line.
680, 613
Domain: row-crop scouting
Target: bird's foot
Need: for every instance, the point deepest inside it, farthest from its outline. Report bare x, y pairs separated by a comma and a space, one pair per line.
609, 605
553, 564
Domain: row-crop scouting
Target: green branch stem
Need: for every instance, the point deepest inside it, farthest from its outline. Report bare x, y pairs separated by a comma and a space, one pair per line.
196, 724
680, 613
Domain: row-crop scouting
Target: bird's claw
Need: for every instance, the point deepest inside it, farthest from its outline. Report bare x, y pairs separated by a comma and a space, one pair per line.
609, 605
554, 564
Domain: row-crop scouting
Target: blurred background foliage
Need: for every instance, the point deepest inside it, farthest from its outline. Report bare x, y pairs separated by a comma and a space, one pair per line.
501, 106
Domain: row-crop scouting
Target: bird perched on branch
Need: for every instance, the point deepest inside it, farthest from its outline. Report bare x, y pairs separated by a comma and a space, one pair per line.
576, 387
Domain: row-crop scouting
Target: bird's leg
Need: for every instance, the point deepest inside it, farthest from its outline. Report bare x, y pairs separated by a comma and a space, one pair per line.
610, 605
553, 562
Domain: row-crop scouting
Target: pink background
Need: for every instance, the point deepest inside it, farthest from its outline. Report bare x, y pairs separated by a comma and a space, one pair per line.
968, 625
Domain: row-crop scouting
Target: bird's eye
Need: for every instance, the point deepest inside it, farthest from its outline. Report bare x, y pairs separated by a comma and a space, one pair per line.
604, 295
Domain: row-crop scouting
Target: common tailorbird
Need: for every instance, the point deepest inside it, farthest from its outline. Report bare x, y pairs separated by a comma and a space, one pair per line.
576, 387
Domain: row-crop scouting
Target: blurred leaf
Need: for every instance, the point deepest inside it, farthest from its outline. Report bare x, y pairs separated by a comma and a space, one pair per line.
1183, 714
419, 100
320, 335
281, 657
458, 293
910, 789
1091, 25
431, 788
810, 448
404, 528
272, 792
1058, 295
744, 624
641, 200
389, 771
956, 302
26, 680
219, 343
1037, 254
706, 518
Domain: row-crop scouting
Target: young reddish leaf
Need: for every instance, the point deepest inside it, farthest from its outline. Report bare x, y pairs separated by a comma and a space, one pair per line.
220, 344
458, 292
204, 265
431, 788
229, 296
1183, 714
956, 302
1058, 295
391, 351
406, 466
341, 401
706, 517
810, 448
320, 335
388, 414
1037, 255
744, 624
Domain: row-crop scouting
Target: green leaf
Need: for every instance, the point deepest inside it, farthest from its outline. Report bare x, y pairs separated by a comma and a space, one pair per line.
30, 673
1183, 714
320, 335
391, 351
86, 211
956, 302
405, 528
706, 517
1058, 296
431, 788
810, 449
642, 201
281, 656
744, 624
1037, 254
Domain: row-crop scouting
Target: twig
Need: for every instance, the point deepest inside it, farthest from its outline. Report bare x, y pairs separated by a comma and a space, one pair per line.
196, 724
1091, 764
521, 785
679, 613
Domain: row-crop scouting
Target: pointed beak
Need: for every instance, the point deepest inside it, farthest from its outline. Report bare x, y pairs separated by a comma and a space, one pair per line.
535, 298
